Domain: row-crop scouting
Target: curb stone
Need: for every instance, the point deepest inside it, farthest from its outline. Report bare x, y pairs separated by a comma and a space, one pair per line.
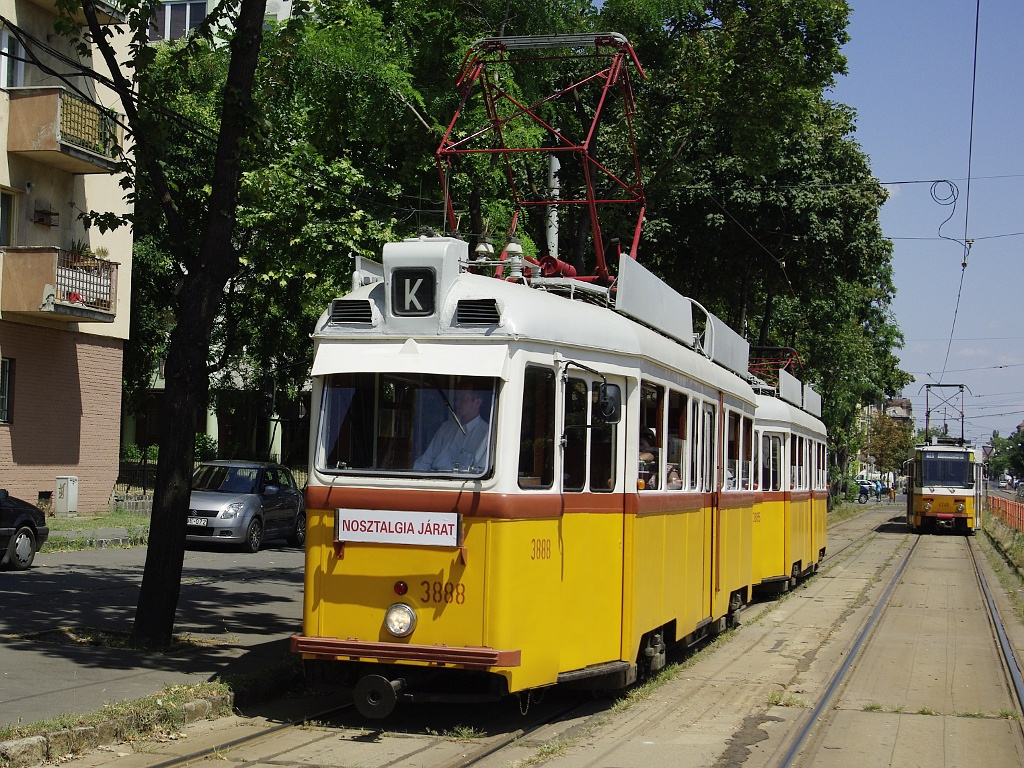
31, 751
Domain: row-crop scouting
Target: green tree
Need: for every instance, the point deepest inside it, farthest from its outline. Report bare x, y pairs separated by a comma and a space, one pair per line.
889, 441
1007, 455
760, 203
206, 249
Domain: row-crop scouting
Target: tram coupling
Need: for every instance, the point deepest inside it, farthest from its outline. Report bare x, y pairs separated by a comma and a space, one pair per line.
375, 696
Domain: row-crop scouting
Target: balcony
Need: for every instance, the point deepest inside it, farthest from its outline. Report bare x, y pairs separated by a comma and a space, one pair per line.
46, 282
59, 128
106, 13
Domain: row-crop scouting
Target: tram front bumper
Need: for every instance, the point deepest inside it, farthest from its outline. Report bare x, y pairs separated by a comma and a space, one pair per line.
468, 657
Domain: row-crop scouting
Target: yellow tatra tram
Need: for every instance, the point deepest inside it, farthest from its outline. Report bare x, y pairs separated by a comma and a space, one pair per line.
944, 477
944, 487
523, 477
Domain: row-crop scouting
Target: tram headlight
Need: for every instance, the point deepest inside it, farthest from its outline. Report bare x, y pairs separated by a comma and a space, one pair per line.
927, 506
960, 507
400, 620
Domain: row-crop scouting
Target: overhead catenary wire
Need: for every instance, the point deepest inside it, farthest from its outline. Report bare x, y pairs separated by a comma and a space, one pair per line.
967, 195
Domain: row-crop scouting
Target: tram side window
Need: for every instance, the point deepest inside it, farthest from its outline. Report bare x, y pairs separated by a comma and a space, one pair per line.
589, 443
694, 452
602, 448
678, 440
796, 462
732, 461
537, 432
651, 457
747, 455
771, 462
707, 437
574, 456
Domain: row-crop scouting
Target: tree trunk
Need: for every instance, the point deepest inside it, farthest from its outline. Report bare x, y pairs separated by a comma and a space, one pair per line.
208, 271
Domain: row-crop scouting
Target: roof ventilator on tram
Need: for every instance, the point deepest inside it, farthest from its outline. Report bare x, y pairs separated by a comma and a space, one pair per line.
477, 312
351, 311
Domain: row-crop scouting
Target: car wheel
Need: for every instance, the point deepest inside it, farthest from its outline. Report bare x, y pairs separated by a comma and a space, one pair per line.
298, 537
22, 549
254, 536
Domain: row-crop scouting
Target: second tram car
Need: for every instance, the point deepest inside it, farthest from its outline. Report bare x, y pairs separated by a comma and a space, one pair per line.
790, 517
513, 485
944, 487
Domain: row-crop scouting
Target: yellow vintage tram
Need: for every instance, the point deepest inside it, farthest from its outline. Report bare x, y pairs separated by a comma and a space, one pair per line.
521, 476
540, 549
790, 516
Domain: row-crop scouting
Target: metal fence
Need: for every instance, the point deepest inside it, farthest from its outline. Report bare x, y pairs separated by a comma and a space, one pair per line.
1009, 511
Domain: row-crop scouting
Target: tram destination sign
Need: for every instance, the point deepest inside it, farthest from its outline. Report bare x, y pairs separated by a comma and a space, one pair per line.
379, 526
412, 291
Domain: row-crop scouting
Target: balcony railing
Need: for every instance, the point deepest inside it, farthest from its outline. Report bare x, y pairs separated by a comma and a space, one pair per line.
85, 280
55, 126
58, 284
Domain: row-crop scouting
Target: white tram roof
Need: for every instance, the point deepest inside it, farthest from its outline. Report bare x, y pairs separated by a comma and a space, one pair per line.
407, 319
775, 412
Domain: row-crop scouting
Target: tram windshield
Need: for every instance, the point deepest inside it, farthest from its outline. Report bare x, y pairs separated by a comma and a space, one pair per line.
406, 423
944, 468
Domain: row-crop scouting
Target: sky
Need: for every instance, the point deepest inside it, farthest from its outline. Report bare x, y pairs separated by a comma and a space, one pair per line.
911, 71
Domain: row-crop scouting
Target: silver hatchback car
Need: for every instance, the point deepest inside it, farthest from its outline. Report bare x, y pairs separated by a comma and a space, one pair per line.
247, 503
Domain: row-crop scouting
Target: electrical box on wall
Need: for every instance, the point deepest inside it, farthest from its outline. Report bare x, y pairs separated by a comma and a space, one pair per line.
65, 500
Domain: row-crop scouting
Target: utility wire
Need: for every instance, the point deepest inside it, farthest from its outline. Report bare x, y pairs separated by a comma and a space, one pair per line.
967, 196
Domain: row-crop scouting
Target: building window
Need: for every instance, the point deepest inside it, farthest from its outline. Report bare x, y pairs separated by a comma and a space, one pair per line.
8, 208
12, 61
6, 389
175, 20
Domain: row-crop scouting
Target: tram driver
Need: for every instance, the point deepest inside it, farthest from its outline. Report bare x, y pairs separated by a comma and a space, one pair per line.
460, 443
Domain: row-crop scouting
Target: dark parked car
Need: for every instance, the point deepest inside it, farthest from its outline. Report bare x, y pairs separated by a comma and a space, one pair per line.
245, 502
23, 531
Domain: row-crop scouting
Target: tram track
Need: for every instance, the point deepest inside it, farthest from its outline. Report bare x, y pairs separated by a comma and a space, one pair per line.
804, 746
284, 742
473, 752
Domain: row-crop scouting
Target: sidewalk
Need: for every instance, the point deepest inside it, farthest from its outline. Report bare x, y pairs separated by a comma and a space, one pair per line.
238, 611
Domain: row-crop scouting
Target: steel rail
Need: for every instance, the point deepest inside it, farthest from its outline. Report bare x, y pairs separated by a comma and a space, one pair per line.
203, 754
464, 761
1009, 657
505, 740
840, 675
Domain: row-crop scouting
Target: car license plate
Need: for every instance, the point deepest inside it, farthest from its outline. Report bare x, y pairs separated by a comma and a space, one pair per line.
197, 521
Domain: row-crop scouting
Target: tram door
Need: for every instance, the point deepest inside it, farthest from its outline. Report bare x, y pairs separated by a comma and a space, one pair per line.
591, 529
979, 498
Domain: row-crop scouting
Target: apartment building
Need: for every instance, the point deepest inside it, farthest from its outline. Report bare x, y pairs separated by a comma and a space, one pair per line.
64, 289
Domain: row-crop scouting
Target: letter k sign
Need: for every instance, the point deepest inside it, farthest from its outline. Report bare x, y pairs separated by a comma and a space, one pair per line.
412, 292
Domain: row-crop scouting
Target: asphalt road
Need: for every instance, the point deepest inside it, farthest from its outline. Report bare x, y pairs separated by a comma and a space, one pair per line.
239, 608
